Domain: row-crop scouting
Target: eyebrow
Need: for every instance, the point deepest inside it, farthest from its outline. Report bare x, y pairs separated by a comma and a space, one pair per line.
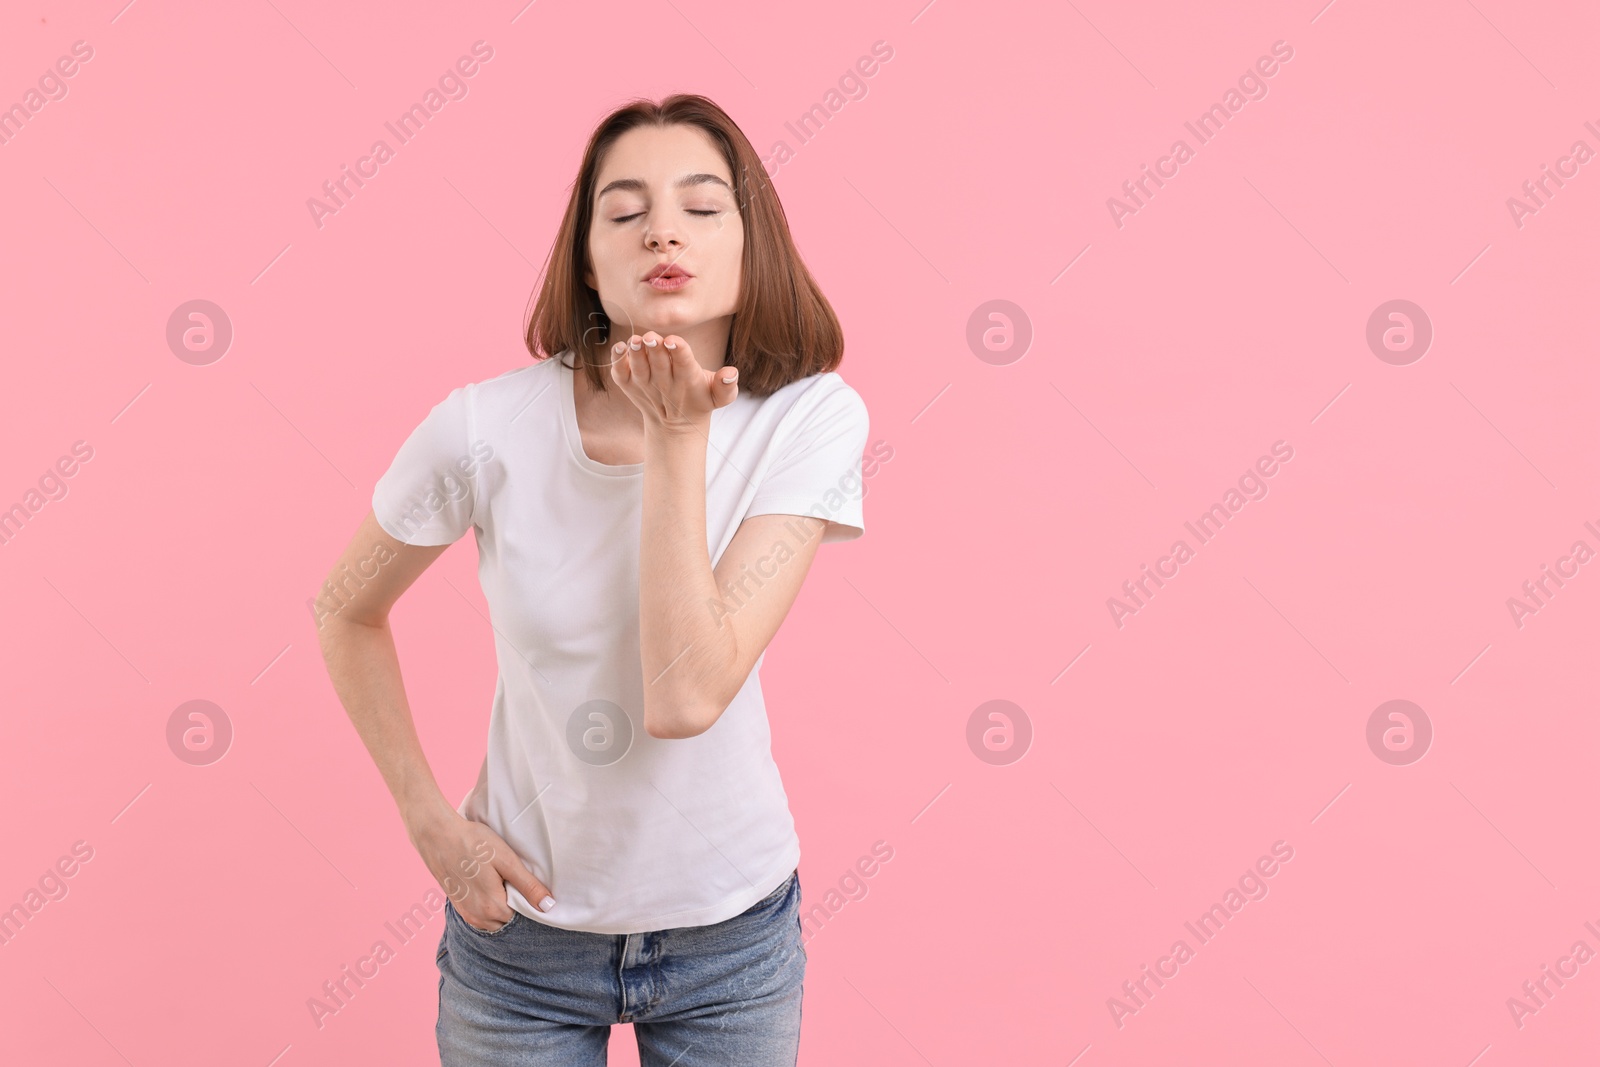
634, 185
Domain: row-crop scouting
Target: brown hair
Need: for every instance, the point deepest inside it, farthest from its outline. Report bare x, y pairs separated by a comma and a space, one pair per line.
783, 327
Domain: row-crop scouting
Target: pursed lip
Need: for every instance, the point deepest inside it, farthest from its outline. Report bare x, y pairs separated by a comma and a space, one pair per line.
667, 270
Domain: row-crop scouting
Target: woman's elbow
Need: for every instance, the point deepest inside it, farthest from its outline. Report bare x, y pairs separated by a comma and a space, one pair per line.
670, 731
682, 723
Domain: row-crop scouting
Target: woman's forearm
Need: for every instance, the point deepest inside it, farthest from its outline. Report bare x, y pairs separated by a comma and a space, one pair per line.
365, 670
686, 654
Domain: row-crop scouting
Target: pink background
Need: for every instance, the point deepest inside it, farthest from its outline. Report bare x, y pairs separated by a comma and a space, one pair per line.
1228, 313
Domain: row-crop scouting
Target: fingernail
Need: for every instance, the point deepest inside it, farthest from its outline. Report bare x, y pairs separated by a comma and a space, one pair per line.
727, 378
669, 344
634, 345
547, 903
650, 344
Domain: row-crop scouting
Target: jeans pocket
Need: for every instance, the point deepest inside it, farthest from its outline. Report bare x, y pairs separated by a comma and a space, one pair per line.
515, 915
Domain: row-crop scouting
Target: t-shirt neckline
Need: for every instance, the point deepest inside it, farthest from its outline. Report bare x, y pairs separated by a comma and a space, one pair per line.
569, 429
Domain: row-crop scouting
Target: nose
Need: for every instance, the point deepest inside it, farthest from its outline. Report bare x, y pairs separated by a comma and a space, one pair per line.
660, 234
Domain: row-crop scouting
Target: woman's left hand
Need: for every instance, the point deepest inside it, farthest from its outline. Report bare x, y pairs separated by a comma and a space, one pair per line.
665, 381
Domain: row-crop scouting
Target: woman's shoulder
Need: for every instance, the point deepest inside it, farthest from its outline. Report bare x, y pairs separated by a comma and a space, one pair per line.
495, 401
516, 378
827, 388
823, 396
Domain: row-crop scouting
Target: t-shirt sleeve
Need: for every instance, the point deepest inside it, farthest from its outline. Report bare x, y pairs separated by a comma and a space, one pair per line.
818, 467
430, 493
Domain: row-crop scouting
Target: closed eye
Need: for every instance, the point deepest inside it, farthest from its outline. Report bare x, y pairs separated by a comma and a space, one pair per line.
692, 211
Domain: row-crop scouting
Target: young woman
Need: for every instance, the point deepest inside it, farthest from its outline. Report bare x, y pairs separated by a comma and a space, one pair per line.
647, 498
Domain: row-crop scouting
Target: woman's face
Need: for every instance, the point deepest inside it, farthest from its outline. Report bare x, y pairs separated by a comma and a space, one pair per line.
664, 196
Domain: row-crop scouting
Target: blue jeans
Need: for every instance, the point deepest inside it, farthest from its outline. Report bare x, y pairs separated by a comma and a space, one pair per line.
531, 994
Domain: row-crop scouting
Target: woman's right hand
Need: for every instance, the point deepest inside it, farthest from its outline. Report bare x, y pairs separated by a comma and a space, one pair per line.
473, 865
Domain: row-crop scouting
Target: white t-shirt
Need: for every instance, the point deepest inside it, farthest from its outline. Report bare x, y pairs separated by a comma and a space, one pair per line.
630, 832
